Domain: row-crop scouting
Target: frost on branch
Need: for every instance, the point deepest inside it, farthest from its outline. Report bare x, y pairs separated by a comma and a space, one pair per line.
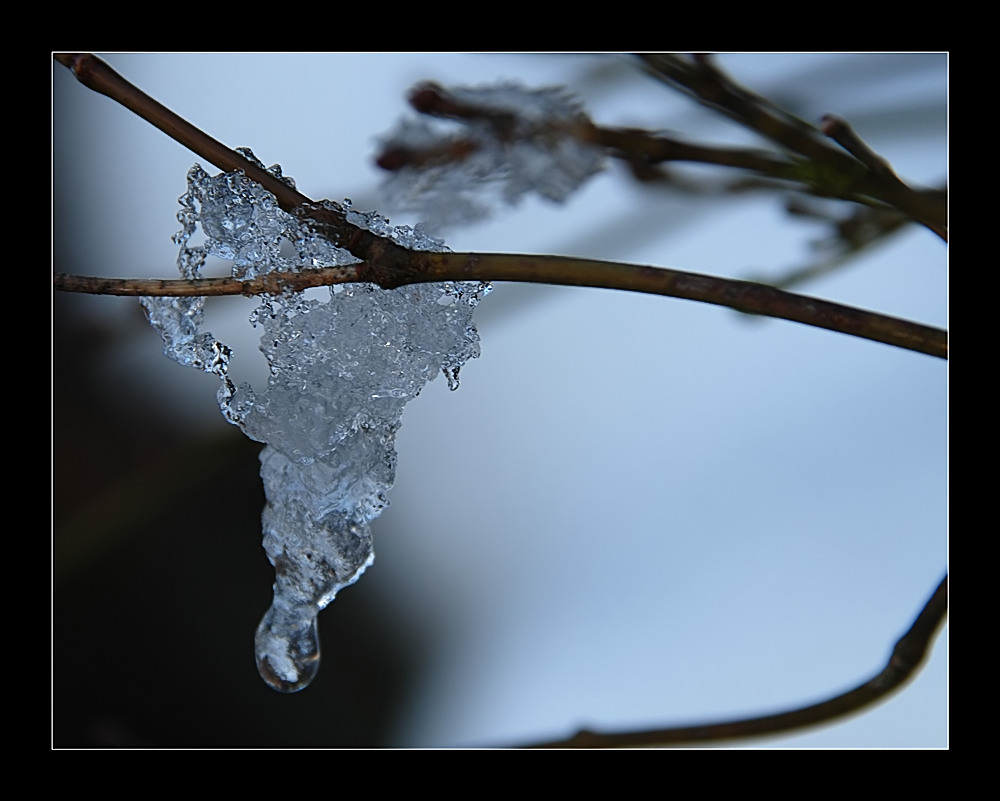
341, 371
504, 142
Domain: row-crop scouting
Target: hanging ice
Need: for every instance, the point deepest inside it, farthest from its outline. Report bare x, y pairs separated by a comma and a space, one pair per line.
341, 372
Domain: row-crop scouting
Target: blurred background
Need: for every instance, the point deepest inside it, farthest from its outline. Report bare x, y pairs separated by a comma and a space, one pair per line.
636, 512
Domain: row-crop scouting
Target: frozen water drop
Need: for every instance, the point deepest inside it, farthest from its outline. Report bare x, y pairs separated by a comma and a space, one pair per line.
287, 651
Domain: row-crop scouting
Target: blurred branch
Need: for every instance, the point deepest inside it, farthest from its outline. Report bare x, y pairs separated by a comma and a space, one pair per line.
638, 147
807, 161
844, 135
863, 229
857, 174
95, 74
806, 165
905, 661
629, 144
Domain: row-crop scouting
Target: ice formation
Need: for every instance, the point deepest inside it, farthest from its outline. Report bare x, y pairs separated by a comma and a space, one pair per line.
341, 371
505, 142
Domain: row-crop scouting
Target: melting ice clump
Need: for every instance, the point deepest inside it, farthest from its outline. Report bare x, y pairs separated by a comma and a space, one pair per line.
341, 371
498, 144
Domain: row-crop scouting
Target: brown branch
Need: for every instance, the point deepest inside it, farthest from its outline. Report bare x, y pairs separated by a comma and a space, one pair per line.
655, 149
95, 74
817, 169
904, 662
628, 144
702, 80
844, 135
834, 171
269, 284
860, 231
395, 266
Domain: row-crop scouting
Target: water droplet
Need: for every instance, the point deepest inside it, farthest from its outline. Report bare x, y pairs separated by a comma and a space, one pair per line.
287, 649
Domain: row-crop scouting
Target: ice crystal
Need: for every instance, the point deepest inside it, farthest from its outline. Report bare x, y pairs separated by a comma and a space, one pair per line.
503, 142
341, 371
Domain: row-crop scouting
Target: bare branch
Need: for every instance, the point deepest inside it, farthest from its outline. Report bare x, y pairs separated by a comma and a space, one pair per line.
844, 135
904, 662
832, 171
641, 149
860, 231
628, 144
395, 267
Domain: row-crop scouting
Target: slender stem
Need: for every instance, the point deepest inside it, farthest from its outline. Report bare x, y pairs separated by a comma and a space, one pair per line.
743, 296
702, 80
95, 74
269, 284
840, 131
635, 146
657, 148
628, 143
904, 662
389, 272
840, 172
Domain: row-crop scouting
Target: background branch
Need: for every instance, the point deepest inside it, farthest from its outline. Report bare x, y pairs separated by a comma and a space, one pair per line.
843, 174
907, 656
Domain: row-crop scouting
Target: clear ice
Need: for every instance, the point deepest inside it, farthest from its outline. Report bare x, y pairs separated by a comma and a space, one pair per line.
341, 371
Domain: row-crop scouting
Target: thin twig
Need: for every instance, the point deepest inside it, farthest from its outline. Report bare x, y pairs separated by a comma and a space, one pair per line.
390, 265
95, 74
423, 267
862, 230
701, 79
635, 146
833, 171
904, 662
844, 135
268, 284
628, 144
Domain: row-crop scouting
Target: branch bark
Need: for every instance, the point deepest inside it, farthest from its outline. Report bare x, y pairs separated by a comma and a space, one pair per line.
833, 171
395, 266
